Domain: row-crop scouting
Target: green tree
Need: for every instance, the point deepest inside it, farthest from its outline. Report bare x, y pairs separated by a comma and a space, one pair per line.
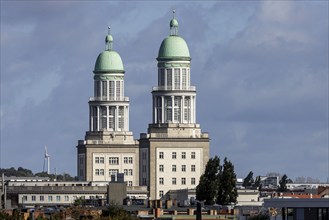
249, 180
208, 184
227, 192
257, 183
283, 184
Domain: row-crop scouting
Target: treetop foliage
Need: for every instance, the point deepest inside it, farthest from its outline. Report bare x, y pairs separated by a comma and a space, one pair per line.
218, 183
22, 172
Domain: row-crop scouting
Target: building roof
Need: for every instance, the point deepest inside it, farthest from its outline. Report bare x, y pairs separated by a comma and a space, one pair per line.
109, 61
174, 47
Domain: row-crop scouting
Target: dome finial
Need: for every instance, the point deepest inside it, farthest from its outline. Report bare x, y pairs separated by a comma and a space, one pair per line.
108, 39
173, 25
173, 14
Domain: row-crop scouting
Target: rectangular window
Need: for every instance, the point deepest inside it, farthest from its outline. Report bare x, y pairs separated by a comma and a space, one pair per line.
111, 90
192, 168
101, 172
111, 117
169, 79
50, 198
118, 90
130, 183
104, 84
183, 78
121, 123
96, 159
183, 168
42, 198
98, 88
161, 181
187, 114
183, 155
177, 79
33, 198
58, 198
183, 181
173, 168
173, 181
192, 181
130, 172
125, 171
66, 198
161, 193
161, 155
113, 172
97, 172
101, 160
161, 77
114, 160
192, 155
161, 168
173, 155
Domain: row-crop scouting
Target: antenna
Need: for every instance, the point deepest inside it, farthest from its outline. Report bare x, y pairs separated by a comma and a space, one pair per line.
46, 158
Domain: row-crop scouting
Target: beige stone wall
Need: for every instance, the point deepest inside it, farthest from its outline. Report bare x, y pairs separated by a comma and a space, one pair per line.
180, 141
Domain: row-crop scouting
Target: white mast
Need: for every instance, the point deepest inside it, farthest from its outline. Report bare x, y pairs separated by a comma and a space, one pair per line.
46, 159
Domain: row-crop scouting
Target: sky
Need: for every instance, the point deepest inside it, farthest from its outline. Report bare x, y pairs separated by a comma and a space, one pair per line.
260, 69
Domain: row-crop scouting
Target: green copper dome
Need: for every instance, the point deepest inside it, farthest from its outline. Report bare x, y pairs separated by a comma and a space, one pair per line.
174, 47
109, 61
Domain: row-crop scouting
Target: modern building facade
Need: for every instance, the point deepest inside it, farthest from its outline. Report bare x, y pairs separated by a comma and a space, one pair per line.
173, 153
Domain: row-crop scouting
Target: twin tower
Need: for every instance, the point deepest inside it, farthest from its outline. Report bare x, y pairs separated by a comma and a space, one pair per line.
173, 153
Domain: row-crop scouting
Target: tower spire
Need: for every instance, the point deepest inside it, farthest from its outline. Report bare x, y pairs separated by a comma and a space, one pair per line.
109, 39
173, 25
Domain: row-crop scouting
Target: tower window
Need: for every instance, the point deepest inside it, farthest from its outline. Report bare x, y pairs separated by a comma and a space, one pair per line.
161, 193
192, 181
104, 89
169, 79
111, 117
183, 168
192, 155
161, 168
183, 155
173, 168
161, 77
161, 155
111, 90
118, 90
161, 181
192, 168
173, 155
173, 181
183, 181
183, 78
177, 79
